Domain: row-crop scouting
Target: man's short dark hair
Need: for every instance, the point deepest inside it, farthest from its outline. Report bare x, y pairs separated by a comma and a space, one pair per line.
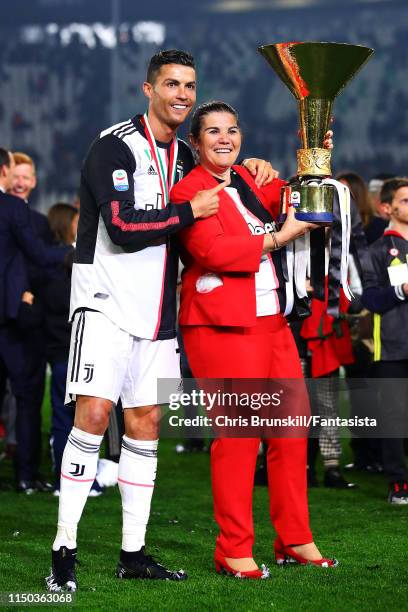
391, 186
4, 157
171, 56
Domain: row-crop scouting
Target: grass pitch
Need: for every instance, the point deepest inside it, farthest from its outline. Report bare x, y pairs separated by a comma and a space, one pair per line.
367, 535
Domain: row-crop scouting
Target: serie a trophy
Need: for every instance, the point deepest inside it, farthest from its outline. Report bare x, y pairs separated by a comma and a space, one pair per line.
315, 72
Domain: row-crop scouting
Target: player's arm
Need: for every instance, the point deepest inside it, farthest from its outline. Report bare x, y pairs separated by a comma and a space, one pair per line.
108, 174
136, 229
261, 170
32, 246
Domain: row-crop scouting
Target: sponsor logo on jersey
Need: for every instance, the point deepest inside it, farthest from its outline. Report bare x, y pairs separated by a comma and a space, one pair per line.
270, 227
256, 230
120, 180
152, 170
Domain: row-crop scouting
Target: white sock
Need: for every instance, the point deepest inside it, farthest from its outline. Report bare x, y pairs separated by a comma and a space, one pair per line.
137, 473
78, 471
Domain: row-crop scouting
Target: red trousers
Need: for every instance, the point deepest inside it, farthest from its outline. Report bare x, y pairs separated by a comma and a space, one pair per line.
266, 350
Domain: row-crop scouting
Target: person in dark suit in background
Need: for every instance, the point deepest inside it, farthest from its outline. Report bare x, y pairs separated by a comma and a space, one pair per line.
17, 241
23, 183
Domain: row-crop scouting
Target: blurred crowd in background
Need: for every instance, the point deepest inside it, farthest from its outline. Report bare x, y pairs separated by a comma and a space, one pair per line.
62, 84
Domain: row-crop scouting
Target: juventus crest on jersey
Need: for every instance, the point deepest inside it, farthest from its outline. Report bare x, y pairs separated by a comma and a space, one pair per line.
126, 264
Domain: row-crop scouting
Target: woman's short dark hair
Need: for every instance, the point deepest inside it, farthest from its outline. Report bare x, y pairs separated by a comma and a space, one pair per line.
215, 106
171, 56
60, 218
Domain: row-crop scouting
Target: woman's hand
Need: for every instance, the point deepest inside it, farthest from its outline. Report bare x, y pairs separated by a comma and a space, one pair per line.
291, 229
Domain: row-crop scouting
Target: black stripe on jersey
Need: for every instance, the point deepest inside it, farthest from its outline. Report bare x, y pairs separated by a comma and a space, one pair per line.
75, 356
81, 336
123, 129
123, 126
127, 133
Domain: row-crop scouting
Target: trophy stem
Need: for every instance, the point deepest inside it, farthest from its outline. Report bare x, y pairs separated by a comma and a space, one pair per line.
315, 114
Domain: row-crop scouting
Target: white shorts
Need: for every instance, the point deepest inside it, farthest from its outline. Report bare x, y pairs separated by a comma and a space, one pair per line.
106, 361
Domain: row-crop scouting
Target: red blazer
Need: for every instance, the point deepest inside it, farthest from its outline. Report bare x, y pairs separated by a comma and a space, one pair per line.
221, 244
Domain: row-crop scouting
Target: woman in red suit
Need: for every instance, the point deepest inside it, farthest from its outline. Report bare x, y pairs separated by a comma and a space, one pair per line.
232, 300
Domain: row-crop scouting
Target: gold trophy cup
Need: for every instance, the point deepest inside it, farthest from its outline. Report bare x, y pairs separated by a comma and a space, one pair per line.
315, 72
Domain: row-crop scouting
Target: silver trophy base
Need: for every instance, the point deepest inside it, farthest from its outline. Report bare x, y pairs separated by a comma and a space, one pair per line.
312, 201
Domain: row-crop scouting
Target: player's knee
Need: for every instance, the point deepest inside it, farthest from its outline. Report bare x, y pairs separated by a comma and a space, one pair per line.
99, 419
144, 424
93, 421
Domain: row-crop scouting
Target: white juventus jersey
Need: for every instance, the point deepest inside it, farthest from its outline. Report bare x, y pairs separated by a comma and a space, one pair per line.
125, 264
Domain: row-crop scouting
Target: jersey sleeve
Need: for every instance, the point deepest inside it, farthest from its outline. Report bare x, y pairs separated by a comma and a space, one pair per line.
108, 170
136, 229
108, 174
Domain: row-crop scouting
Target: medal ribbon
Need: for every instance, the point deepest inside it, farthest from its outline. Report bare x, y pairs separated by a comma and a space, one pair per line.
166, 179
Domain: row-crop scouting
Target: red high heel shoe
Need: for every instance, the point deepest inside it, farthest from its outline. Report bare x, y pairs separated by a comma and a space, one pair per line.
222, 567
285, 555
